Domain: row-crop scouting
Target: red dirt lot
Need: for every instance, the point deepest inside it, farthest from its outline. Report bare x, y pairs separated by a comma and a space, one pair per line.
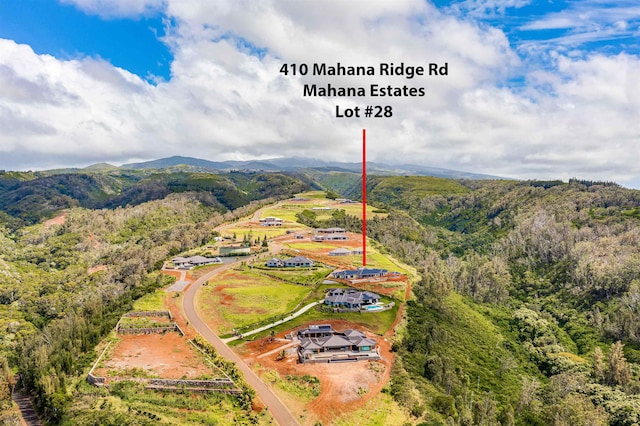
345, 387
95, 269
58, 220
166, 355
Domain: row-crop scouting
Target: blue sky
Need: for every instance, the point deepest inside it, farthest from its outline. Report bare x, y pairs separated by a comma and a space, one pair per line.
66, 32
136, 42
537, 89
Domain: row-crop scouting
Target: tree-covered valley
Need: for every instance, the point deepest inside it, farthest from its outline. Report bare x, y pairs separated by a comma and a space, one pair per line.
526, 310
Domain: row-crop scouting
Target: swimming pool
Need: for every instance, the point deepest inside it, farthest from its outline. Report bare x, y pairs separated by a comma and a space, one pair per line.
374, 308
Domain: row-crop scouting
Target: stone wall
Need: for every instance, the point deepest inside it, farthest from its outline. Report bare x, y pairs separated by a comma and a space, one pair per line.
95, 380
150, 330
216, 383
166, 314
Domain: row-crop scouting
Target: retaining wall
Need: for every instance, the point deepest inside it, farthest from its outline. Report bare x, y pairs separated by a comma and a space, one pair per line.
95, 380
216, 383
166, 314
150, 330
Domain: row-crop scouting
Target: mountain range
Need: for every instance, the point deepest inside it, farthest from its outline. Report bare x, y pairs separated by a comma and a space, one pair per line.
297, 164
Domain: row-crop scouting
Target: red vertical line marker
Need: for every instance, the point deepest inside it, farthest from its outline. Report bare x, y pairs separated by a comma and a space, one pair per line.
364, 197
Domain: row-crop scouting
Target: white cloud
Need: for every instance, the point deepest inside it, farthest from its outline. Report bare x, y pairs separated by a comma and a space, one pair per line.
117, 8
588, 21
226, 98
488, 8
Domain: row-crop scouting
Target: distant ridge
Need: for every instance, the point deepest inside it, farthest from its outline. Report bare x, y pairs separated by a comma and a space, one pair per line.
177, 160
101, 167
300, 164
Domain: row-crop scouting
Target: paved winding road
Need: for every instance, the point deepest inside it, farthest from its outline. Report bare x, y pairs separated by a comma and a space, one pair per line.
278, 410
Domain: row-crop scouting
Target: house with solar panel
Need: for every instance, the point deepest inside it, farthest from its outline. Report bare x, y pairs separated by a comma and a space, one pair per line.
321, 343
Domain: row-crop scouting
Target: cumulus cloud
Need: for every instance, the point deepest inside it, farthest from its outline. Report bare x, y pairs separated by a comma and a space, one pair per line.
226, 98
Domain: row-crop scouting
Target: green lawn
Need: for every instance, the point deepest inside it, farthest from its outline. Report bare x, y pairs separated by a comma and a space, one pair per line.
275, 298
288, 210
309, 246
377, 322
261, 231
312, 194
356, 210
304, 388
379, 411
151, 302
297, 276
377, 260
237, 299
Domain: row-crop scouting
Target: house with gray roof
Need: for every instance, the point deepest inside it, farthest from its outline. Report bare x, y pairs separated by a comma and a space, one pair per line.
275, 263
298, 262
193, 261
331, 230
323, 344
271, 221
350, 298
340, 252
361, 273
336, 236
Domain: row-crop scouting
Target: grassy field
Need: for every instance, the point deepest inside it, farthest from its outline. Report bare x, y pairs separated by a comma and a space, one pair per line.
237, 299
303, 388
144, 322
259, 232
303, 277
288, 210
379, 411
151, 302
312, 194
377, 322
308, 246
377, 260
416, 186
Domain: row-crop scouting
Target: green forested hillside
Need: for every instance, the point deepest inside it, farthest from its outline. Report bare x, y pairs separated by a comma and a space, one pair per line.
527, 310
64, 286
27, 197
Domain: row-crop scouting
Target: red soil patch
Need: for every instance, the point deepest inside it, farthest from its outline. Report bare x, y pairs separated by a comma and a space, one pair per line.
174, 305
324, 247
96, 269
344, 387
166, 355
58, 220
379, 288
